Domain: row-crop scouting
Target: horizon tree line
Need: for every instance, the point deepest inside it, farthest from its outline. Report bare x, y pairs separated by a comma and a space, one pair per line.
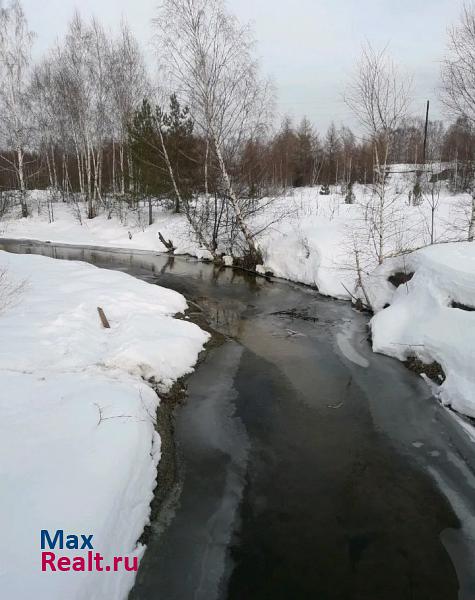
87, 122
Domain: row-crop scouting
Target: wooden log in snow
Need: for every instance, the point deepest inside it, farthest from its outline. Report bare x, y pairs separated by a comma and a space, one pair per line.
168, 245
103, 318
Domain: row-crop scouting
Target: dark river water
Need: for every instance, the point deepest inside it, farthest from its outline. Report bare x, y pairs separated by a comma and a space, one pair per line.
309, 467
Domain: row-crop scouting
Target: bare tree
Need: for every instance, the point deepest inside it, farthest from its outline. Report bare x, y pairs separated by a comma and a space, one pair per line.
379, 97
15, 123
458, 79
433, 200
81, 77
129, 84
208, 59
458, 69
85, 92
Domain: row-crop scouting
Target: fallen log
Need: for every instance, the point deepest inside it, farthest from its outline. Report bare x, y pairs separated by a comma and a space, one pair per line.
168, 245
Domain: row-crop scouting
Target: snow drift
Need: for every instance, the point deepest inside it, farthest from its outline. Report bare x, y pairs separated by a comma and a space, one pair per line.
78, 444
430, 316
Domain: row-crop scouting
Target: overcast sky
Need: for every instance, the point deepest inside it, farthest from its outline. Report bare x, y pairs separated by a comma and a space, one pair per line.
308, 47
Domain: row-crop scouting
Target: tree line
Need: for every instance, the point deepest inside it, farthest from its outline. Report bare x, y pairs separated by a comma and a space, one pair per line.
87, 122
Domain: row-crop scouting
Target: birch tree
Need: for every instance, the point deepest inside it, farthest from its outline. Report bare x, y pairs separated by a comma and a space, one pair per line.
379, 96
74, 88
208, 58
15, 60
46, 109
129, 84
458, 80
81, 77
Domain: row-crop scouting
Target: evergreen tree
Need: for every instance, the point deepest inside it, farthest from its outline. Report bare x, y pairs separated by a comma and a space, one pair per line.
181, 146
149, 125
305, 154
146, 151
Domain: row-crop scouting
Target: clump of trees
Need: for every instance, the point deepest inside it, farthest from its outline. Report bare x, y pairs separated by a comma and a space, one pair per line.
458, 87
165, 152
66, 117
97, 134
208, 56
15, 100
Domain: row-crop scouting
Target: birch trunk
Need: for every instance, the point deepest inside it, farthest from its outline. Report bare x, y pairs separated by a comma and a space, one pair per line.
50, 173
206, 169
78, 157
131, 173
471, 229
113, 168
196, 229
21, 178
254, 251
122, 173
55, 174
90, 201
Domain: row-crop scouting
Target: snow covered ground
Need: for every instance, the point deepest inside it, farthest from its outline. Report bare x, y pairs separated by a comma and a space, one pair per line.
312, 240
78, 446
429, 317
309, 240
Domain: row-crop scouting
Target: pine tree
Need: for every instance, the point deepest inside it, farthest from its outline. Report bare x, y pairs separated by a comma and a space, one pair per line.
146, 152
181, 146
149, 126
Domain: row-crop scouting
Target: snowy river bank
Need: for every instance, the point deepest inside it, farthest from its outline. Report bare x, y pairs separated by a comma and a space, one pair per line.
79, 447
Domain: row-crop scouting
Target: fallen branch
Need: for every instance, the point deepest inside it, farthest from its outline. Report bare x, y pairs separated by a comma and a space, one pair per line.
168, 245
102, 418
359, 304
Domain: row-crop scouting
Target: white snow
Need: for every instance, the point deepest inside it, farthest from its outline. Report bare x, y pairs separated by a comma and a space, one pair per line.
260, 269
78, 446
308, 240
420, 320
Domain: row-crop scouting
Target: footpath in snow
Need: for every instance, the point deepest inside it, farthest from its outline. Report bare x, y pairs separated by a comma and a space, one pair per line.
78, 445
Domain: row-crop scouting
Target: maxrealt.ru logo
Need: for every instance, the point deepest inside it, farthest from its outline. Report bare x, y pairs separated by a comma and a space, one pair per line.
90, 560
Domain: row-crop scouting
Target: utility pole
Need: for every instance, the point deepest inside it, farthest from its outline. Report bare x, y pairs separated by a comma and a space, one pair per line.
425, 133
417, 192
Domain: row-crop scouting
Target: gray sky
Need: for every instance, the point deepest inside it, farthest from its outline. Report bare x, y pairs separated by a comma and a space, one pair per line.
308, 47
